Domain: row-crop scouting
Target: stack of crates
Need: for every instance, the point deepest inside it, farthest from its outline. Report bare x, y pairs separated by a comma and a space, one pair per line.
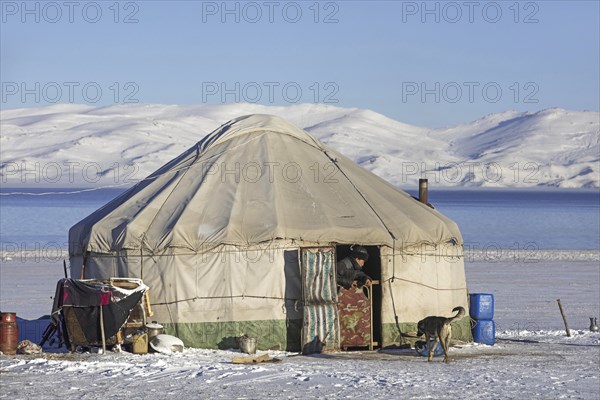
481, 309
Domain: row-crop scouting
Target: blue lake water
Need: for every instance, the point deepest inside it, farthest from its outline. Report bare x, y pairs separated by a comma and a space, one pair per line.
545, 219
499, 218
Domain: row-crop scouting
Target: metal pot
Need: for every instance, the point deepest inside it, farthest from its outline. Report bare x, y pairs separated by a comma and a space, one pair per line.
247, 344
154, 329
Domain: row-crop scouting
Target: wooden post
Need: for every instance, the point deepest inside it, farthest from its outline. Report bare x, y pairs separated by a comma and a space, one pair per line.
564, 318
370, 290
85, 255
102, 330
149, 311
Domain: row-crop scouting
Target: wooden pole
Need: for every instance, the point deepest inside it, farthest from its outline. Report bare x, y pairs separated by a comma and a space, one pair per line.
370, 290
564, 318
83, 266
149, 311
102, 330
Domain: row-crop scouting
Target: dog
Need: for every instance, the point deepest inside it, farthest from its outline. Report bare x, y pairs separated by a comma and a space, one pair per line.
440, 329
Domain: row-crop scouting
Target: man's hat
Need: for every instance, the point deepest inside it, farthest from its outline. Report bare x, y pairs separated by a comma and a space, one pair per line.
360, 253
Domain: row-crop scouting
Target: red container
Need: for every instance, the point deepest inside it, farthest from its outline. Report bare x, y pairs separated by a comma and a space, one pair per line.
9, 333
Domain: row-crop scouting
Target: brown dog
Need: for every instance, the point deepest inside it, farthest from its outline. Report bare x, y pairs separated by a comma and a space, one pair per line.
440, 329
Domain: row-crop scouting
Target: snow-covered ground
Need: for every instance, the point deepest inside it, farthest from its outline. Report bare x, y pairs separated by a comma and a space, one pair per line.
533, 357
76, 145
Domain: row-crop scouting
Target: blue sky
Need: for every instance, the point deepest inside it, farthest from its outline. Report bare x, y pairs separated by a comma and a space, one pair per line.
425, 63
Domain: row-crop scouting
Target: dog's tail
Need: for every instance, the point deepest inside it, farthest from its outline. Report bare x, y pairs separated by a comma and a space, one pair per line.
461, 313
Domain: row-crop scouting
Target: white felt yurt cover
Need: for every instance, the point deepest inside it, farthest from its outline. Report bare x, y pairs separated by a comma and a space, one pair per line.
210, 233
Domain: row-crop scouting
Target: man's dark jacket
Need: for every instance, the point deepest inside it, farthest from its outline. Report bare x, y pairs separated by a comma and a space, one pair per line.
348, 271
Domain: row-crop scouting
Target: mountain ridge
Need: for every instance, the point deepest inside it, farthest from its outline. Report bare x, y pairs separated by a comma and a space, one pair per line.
84, 146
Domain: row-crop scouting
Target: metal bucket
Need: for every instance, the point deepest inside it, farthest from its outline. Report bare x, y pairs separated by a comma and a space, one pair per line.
247, 344
154, 329
9, 333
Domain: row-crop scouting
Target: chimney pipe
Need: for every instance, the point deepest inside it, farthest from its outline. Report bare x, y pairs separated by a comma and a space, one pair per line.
423, 191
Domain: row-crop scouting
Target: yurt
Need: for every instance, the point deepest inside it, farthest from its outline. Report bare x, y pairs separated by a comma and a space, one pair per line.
241, 234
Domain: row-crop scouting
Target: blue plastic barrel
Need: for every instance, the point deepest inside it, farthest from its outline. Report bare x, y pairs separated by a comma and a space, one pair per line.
481, 306
484, 332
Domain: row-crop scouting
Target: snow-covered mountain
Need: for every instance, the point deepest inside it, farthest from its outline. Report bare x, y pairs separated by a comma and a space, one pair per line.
82, 146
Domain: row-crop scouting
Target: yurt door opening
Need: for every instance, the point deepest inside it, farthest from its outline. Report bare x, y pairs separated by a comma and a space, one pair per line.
335, 318
359, 309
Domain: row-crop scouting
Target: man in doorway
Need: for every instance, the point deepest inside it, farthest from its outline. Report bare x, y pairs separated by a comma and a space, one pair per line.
349, 269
